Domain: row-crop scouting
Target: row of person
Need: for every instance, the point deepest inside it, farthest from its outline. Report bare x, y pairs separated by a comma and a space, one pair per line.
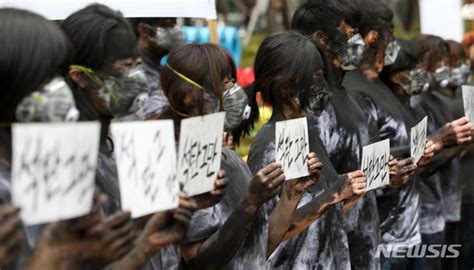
340, 67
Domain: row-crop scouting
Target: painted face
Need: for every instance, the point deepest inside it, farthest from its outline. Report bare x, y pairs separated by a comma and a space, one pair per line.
460, 74
415, 81
391, 52
441, 75
314, 99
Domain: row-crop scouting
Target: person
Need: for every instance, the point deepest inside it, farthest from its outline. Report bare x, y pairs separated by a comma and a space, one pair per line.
407, 77
36, 55
438, 59
156, 37
398, 208
343, 125
97, 79
236, 233
467, 216
316, 236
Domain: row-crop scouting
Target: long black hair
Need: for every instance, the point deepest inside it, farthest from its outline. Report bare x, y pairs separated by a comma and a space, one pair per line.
285, 64
33, 51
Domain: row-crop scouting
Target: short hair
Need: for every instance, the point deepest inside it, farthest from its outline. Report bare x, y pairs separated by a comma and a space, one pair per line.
99, 36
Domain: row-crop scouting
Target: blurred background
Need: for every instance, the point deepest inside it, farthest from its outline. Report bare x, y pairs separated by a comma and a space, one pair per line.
243, 24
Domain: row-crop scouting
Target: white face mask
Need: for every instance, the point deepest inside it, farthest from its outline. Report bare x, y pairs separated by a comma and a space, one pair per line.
441, 76
391, 52
53, 103
236, 107
460, 74
352, 53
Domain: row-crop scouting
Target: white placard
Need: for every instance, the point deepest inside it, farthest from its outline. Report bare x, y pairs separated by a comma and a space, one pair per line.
292, 147
61, 9
200, 151
451, 26
54, 168
375, 159
468, 98
418, 139
146, 162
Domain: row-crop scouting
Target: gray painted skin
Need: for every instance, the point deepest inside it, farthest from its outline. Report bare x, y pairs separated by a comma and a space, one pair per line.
398, 208
323, 245
344, 130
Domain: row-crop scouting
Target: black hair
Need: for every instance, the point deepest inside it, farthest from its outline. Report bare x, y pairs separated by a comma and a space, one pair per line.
324, 16
207, 65
433, 50
374, 15
154, 22
285, 64
99, 36
409, 57
33, 51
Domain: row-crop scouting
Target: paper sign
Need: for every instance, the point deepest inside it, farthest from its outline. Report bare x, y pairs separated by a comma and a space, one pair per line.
54, 169
146, 162
418, 139
468, 98
200, 150
292, 147
375, 159
60, 9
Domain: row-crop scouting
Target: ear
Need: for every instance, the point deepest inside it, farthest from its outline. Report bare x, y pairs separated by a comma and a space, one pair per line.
371, 38
320, 37
143, 30
78, 77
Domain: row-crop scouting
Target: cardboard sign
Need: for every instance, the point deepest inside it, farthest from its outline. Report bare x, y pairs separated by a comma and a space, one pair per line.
418, 139
54, 168
200, 151
375, 159
468, 98
146, 162
292, 147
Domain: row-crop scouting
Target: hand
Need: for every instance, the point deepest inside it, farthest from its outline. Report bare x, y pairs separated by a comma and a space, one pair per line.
430, 150
11, 235
354, 186
454, 133
166, 228
110, 240
402, 172
298, 186
265, 184
213, 197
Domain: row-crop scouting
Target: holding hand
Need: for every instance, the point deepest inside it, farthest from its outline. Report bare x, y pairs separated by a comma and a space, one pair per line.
213, 197
265, 184
298, 186
11, 235
453, 133
401, 171
354, 186
430, 150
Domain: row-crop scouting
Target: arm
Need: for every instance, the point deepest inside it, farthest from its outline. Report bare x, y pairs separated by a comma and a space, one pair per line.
217, 250
346, 187
281, 216
441, 159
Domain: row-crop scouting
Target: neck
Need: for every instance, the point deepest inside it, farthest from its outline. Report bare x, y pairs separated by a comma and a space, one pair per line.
447, 91
402, 96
